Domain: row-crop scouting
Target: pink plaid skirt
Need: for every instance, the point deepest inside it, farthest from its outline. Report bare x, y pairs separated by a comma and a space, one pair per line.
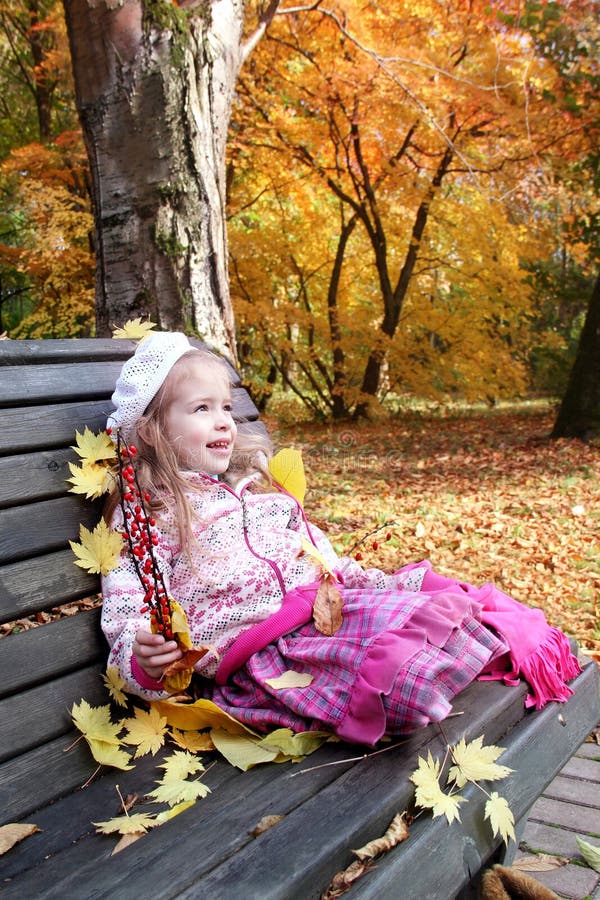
395, 665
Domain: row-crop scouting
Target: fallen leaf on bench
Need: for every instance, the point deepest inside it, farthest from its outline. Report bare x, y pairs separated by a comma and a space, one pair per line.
294, 745
397, 831
167, 814
242, 751
327, 609
265, 824
101, 734
95, 723
180, 765
115, 685
98, 550
14, 832
175, 792
540, 862
429, 794
145, 730
90, 479
474, 762
289, 679
94, 447
199, 715
126, 841
194, 741
138, 823
590, 853
500, 816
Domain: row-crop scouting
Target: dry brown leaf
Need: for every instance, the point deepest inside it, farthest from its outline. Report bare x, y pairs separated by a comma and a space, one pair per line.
126, 840
343, 881
188, 660
14, 832
265, 823
327, 609
397, 832
540, 862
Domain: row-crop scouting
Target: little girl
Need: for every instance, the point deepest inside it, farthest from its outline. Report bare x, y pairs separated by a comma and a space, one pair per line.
230, 549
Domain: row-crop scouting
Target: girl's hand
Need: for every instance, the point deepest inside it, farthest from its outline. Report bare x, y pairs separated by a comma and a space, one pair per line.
153, 653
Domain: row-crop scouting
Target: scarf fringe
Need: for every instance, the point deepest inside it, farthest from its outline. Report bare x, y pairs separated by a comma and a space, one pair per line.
547, 669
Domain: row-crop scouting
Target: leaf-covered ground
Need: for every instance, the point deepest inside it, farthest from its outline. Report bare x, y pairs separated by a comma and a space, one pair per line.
485, 497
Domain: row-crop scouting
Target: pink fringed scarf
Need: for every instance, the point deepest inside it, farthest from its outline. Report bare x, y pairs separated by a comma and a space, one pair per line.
538, 652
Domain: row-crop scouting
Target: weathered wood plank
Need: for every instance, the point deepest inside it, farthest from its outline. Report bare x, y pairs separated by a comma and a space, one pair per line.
41, 714
42, 527
63, 382
45, 652
42, 582
51, 351
35, 476
23, 430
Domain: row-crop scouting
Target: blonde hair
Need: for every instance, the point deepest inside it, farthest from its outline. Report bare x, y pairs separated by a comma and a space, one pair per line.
157, 466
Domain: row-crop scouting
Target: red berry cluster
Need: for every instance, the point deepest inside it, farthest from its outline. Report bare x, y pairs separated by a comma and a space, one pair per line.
141, 538
375, 544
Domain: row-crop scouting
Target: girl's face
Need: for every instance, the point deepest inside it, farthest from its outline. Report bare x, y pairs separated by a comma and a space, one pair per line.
199, 422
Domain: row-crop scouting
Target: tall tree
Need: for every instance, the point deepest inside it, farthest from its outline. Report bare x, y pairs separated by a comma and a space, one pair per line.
579, 413
154, 87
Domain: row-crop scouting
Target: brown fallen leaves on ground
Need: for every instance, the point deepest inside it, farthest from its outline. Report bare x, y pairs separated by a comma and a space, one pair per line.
485, 497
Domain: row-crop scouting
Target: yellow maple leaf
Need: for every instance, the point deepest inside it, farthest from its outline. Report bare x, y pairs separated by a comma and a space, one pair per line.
146, 729
138, 822
287, 470
98, 550
428, 792
94, 447
90, 479
293, 745
193, 741
179, 765
115, 685
199, 715
175, 792
242, 750
107, 754
134, 329
500, 816
95, 723
318, 557
474, 762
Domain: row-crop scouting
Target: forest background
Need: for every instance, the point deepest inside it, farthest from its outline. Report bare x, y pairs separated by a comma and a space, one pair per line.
412, 214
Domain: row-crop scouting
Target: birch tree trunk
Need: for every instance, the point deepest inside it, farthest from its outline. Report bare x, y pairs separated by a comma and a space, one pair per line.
154, 85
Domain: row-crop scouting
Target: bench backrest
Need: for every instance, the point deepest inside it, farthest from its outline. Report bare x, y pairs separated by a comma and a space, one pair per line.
48, 391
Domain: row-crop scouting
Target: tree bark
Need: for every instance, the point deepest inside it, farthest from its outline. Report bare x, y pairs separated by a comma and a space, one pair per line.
579, 413
154, 86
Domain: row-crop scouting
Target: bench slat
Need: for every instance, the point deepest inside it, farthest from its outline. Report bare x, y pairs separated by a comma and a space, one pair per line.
40, 527
41, 714
43, 427
28, 385
42, 582
34, 476
50, 650
59, 350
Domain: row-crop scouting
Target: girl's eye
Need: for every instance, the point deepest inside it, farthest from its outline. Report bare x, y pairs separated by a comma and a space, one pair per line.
228, 407
202, 408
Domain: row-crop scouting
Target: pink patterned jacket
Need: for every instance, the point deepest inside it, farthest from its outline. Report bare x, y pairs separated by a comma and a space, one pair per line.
247, 555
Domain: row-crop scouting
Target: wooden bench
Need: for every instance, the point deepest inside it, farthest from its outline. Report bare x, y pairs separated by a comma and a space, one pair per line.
48, 389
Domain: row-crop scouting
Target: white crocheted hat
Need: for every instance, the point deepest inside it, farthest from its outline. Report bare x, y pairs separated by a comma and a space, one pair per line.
141, 377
